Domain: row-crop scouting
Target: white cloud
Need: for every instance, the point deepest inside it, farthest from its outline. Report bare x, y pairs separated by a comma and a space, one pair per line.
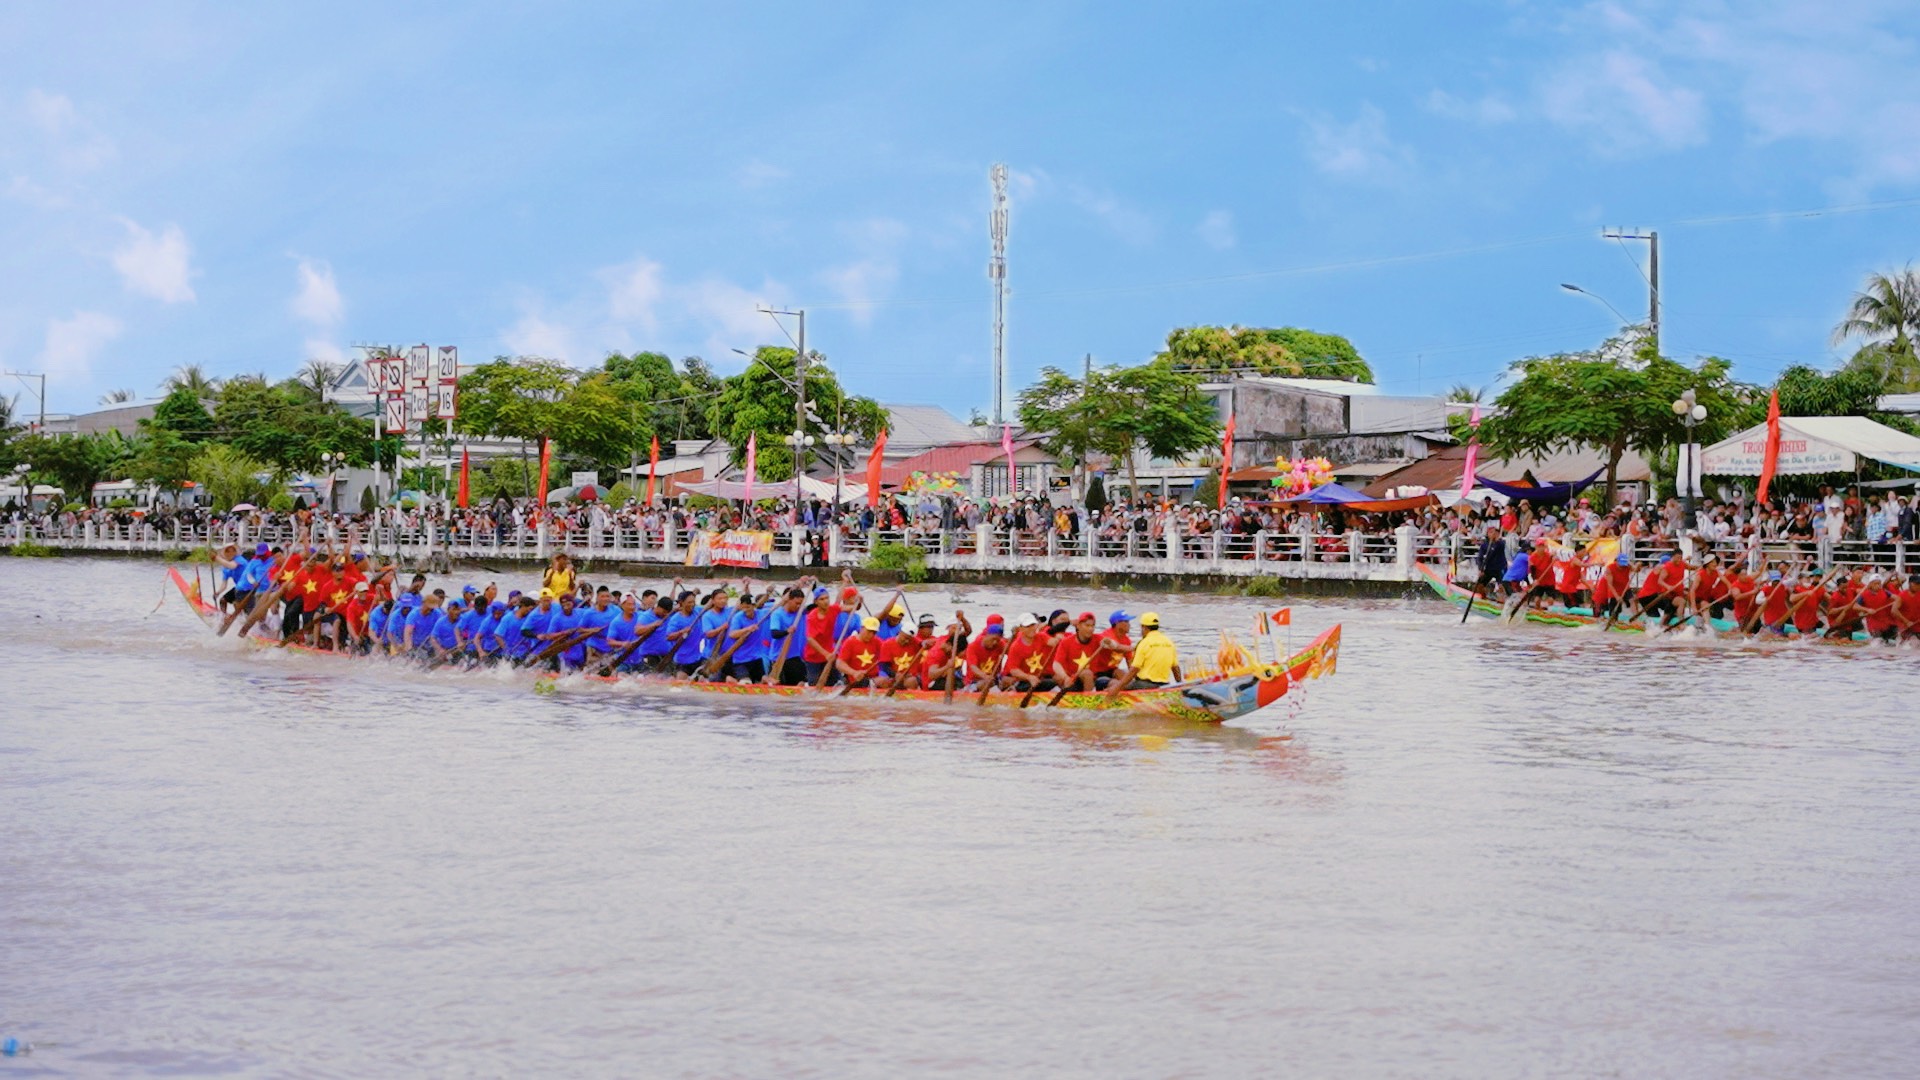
1489, 110
1126, 221
867, 279
1216, 230
23, 189
325, 351
72, 343
74, 141
535, 335
1625, 102
157, 266
758, 174
634, 292
317, 301
1359, 150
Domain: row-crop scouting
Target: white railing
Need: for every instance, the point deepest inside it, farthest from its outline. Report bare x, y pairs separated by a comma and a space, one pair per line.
1379, 556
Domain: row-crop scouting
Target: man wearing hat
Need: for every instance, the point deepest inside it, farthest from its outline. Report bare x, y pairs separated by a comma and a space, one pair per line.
984, 654
1028, 656
1116, 647
859, 657
1156, 662
1073, 655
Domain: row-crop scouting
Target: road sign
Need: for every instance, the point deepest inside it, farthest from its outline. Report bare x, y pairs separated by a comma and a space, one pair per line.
445, 396
395, 409
419, 360
449, 363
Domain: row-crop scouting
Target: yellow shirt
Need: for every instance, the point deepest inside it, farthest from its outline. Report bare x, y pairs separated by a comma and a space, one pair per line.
1154, 657
560, 581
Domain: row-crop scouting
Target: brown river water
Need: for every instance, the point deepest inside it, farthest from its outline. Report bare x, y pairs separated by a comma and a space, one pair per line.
1475, 851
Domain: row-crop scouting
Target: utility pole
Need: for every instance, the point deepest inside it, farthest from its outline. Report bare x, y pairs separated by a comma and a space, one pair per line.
997, 273
799, 406
23, 376
1653, 276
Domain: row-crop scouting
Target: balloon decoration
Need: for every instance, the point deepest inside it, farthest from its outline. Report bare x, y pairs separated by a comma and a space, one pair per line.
939, 483
1299, 476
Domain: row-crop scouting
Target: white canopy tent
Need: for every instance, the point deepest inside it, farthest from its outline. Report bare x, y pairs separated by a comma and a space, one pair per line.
813, 488
1813, 444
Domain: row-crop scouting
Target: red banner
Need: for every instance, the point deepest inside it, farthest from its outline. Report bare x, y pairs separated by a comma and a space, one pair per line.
653, 467
1226, 460
873, 468
1772, 460
465, 467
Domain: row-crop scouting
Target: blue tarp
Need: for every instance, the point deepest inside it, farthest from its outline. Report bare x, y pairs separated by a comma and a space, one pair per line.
1329, 494
1549, 494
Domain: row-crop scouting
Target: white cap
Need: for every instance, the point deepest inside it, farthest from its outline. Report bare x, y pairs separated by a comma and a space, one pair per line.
1025, 619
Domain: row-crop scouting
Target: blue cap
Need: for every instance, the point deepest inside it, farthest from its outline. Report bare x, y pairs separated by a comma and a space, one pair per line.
820, 592
468, 590
261, 549
359, 556
1624, 560
1667, 558
513, 595
497, 608
1773, 575
994, 628
1118, 617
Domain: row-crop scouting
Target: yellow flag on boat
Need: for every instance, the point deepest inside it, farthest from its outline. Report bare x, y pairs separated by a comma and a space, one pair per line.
1602, 551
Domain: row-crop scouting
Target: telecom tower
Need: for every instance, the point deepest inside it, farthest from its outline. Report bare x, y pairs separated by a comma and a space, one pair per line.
997, 273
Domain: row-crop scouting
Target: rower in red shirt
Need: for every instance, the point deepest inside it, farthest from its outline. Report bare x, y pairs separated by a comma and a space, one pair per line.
1773, 602
1657, 592
1909, 607
1804, 606
1028, 655
900, 655
1843, 610
1615, 585
1073, 655
1116, 647
984, 655
1878, 606
859, 656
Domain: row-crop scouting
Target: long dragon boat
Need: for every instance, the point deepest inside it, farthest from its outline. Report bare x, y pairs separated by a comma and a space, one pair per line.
1581, 618
1240, 686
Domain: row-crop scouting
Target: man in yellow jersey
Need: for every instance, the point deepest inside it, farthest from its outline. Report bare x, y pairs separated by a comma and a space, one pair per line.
1155, 660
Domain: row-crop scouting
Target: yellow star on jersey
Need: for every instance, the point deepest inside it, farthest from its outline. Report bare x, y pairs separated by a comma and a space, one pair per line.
1034, 662
1080, 664
339, 597
313, 587
865, 658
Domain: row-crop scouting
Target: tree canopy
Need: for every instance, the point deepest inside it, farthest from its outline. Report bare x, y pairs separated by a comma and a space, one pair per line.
668, 401
760, 400
1615, 398
285, 428
1115, 411
1286, 350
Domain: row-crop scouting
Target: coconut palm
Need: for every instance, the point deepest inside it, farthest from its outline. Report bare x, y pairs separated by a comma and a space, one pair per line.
192, 377
1461, 392
117, 397
1886, 316
316, 375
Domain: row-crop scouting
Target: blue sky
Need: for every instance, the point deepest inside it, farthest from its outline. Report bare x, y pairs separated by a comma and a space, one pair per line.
247, 187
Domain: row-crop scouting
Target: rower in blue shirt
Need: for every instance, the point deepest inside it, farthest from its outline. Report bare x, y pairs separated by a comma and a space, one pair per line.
377, 624
467, 627
486, 639
652, 625
682, 632
621, 632
713, 624
444, 638
748, 626
514, 643
561, 623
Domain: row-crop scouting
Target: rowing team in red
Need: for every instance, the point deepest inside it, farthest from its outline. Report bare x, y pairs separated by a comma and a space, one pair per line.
1781, 599
801, 634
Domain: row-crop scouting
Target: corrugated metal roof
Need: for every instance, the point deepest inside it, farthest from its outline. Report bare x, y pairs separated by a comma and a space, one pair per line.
957, 458
920, 427
1441, 470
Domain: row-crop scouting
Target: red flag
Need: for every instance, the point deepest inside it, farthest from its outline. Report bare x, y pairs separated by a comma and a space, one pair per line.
1013, 471
873, 468
1773, 448
1283, 617
546, 462
460, 499
1226, 460
653, 467
1473, 454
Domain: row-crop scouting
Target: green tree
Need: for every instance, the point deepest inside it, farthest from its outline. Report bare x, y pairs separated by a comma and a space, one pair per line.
122, 396
761, 400
191, 377
163, 459
229, 477
663, 399
74, 463
1886, 315
1616, 398
182, 413
595, 423
514, 398
281, 426
1113, 411
1464, 394
1286, 350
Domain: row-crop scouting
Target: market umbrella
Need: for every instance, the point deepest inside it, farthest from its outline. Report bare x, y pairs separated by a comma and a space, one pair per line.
237, 507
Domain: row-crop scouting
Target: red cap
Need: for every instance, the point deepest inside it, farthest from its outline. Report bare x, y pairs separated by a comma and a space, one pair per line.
995, 620
849, 593
1085, 616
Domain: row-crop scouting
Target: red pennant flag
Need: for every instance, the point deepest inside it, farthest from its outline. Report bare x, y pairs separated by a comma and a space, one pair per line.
1226, 460
653, 467
1013, 471
1283, 617
461, 498
546, 462
873, 468
1772, 459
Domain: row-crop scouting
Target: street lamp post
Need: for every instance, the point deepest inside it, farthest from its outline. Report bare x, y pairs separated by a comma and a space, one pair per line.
1690, 413
799, 441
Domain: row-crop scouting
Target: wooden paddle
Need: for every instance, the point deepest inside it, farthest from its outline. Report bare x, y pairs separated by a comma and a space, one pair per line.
555, 648
719, 661
1119, 684
953, 664
993, 678
833, 655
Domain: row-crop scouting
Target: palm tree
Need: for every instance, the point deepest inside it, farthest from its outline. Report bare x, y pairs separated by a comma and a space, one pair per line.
191, 377
116, 397
1886, 316
316, 375
1461, 392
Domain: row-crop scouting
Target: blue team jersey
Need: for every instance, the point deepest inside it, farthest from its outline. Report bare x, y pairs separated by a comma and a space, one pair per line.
656, 643
536, 621
687, 650
711, 644
443, 633
417, 623
512, 641
485, 635
561, 622
599, 620
377, 623
236, 573
469, 625
620, 630
254, 574
888, 631
753, 646
783, 636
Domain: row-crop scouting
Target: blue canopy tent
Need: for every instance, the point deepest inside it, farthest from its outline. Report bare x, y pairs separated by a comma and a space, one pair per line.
1329, 494
1548, 494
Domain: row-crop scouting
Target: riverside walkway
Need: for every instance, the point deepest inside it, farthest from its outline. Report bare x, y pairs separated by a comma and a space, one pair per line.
1391, 557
